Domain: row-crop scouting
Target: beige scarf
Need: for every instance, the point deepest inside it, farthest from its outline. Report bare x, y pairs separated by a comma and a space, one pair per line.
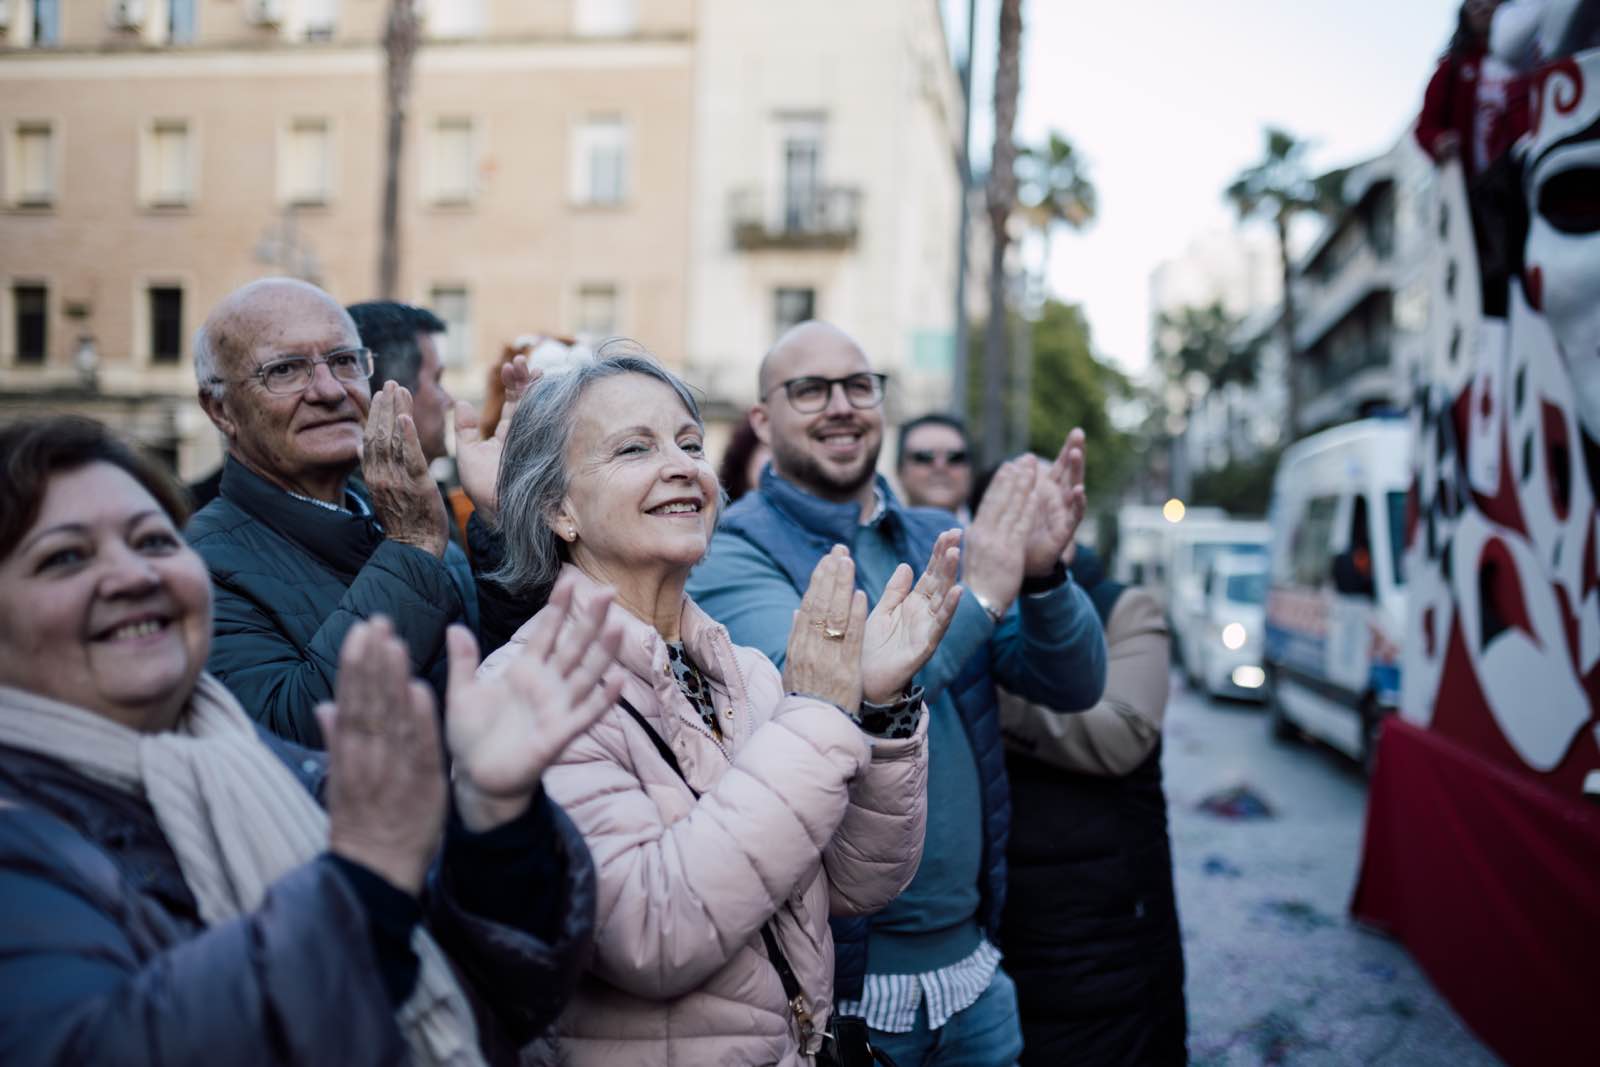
237, 820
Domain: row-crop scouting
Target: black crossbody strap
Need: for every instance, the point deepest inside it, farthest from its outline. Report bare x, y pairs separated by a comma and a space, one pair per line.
780, 962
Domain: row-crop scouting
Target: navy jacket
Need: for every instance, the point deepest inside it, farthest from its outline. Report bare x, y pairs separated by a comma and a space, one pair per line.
1049, 646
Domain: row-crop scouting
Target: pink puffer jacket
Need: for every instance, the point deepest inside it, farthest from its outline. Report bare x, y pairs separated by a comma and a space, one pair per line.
800, 815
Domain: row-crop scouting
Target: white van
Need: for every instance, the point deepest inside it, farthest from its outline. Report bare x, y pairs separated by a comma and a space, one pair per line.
1336, 596
1195, 545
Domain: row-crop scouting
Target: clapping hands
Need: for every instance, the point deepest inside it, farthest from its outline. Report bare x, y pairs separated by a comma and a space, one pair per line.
477, 456
908, 622
1060, 503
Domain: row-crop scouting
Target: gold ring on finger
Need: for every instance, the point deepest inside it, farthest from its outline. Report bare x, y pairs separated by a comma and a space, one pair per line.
831, 634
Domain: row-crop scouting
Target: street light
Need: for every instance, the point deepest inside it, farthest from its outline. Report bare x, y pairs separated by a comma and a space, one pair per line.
1173, 511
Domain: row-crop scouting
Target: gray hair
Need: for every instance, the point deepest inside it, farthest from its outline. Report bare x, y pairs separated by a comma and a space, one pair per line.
205, 365
533, 468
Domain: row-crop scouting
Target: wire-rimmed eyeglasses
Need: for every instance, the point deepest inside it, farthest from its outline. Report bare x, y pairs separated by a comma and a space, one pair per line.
291, 374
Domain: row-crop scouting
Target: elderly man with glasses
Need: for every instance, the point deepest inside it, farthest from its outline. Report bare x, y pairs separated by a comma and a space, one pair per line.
924, 971
299, 548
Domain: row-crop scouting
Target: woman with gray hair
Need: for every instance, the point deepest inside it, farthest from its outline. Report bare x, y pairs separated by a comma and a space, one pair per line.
729, 810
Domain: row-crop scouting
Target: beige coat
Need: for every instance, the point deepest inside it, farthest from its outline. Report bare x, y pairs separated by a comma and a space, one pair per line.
801, 815
1119, 733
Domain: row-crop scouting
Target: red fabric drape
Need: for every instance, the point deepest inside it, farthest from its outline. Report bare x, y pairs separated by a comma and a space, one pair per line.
1493, 883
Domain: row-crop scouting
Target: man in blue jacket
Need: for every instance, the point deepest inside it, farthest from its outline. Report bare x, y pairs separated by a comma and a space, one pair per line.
925, 971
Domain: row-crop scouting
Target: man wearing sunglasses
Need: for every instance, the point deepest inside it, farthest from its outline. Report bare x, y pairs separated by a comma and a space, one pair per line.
299, 550
934, 464
924, 972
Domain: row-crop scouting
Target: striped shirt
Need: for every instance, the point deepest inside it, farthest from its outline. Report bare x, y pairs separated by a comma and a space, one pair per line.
889, 1002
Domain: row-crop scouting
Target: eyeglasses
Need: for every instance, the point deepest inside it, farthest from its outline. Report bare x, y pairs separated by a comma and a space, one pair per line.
927, 457
290, 375
810, 395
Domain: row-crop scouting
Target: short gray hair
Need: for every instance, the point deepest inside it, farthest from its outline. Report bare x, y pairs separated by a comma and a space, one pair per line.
533, 468
205, 365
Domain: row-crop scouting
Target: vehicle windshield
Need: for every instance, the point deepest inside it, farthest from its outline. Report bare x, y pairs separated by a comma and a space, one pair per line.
1206, 553
1397, 534
1247, 588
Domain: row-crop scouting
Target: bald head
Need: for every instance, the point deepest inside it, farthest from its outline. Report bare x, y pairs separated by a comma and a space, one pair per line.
799, 346
253, 315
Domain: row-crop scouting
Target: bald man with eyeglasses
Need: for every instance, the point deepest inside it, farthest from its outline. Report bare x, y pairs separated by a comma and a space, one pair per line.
327, 514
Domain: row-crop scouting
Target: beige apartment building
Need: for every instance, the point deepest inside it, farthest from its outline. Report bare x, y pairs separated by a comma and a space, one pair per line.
692, 173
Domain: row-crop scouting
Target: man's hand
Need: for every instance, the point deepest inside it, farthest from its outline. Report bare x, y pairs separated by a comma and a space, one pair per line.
907, 624
995, 541
504, 731
477, 456
407, 503
1060, 504
386, 790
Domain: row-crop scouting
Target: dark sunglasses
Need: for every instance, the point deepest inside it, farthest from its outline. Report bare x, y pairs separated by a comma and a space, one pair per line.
925, 457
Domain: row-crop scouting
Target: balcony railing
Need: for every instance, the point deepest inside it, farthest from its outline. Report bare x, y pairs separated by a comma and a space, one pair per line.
826, 218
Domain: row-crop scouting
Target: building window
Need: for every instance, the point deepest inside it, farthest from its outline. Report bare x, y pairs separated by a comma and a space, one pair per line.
453, 162
605, 18
180, 21
456, 18
166, 323
168, 164
305, 174
32, 178
597, 313
600, 162
453, 304
46, 22
28, 303
792, 307
800, 143
319, 19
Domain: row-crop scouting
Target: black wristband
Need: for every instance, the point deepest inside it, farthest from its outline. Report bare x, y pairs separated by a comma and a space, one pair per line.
1047, 582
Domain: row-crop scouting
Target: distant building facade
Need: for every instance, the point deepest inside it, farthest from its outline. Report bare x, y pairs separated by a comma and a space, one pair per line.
690, 173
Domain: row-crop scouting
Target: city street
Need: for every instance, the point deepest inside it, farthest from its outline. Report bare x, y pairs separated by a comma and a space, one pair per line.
1277, 972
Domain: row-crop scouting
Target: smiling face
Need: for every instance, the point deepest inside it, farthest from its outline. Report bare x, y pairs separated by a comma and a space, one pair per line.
304, 441
831, 453
102, 604
641, 494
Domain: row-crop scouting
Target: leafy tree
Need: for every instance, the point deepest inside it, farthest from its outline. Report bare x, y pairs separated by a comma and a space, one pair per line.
1279, 186
1242, 486
1054, 188
1072, 387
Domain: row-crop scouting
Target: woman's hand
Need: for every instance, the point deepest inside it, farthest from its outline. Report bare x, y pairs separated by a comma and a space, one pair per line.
906, 626
386, 790
504, 731
824, 656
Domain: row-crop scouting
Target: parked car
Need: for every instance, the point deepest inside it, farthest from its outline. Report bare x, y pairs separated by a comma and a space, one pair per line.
1194, 547
1228, 652
1336, 594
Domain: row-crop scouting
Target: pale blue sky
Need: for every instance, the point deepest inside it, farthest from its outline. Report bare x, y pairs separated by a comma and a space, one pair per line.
1167, 98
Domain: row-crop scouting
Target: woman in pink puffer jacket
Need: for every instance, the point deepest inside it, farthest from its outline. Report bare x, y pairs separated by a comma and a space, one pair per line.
801, 799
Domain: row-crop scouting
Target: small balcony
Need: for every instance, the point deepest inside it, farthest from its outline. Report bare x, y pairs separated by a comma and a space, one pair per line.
827, 218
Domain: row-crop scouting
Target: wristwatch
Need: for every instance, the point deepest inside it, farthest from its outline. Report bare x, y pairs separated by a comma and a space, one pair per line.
994, 613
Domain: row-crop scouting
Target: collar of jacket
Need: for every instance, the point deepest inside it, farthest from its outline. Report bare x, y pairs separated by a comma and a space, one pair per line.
342, 541
824, 517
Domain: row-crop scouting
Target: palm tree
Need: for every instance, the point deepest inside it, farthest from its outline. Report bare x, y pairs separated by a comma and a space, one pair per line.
1002, 199
1055, 189
1279, 185
400, 50
1198, 349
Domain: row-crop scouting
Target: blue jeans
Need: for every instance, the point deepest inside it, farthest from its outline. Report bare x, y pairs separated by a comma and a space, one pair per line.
986, 1034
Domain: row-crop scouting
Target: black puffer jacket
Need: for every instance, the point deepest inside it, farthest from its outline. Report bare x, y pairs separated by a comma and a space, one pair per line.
292, 578
104, 959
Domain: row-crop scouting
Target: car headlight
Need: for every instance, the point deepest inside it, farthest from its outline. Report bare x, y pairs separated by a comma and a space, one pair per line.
1233, 636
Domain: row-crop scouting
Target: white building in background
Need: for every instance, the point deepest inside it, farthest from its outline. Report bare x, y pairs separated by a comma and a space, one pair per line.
824, 185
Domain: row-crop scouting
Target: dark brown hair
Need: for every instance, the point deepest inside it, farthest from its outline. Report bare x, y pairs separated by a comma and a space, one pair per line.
734, 473
32, 451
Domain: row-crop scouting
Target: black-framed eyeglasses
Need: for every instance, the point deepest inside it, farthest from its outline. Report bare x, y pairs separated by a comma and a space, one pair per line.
927, 457
810, 395
291, 374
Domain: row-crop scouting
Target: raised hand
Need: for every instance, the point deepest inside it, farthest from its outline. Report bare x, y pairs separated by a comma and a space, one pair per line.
996, 540
907, 624
505, 730
824, 654
405, 499
477, 456
1060, 506
386, 788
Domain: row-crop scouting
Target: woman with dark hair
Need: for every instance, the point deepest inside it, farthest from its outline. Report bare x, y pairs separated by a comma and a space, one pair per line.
174, 892
1464, 110
741, 466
